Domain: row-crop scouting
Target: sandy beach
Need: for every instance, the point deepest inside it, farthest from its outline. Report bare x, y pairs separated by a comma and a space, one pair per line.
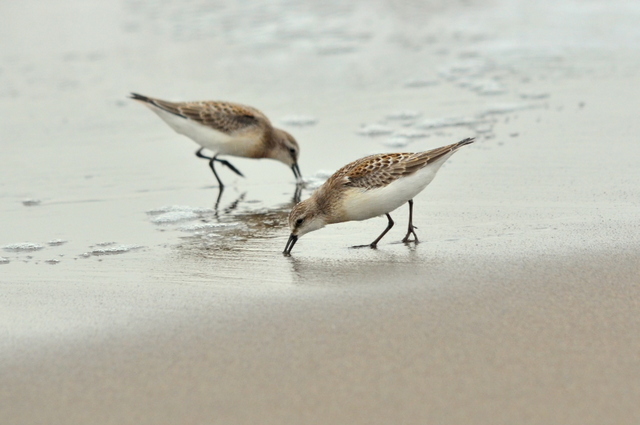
131, 294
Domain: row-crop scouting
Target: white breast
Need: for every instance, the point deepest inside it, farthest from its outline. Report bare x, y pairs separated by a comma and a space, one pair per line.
206, 137
360, 204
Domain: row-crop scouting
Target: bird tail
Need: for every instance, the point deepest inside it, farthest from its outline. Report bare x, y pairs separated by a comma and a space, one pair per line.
170, 107
428, 157
464, 142
136, 96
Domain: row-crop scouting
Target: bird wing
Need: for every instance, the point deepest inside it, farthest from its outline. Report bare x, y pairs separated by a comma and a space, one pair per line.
226, 117
376, 171
380, 170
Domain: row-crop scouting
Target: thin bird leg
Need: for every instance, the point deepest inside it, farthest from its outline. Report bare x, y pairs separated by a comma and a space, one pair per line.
374, 244
217, 204
199, 154
411, 226
211, 161
228, 164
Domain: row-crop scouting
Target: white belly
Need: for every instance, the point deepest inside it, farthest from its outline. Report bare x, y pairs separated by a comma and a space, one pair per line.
206, 137
360, 204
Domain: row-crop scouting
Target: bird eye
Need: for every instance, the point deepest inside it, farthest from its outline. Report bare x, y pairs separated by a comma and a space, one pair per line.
292, 151
299, 221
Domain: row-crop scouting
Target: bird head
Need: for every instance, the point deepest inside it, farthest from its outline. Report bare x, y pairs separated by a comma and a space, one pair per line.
287, 151
305, 217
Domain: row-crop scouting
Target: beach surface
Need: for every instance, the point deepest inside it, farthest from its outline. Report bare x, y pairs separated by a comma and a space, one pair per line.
132, 292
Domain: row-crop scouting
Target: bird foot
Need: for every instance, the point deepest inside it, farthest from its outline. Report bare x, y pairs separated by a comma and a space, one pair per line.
409, 233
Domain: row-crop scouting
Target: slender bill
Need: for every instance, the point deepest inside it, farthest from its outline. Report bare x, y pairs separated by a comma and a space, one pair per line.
296, 172
290, 243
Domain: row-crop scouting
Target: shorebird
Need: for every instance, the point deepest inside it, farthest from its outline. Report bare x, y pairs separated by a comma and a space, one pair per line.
227, 129
369, 187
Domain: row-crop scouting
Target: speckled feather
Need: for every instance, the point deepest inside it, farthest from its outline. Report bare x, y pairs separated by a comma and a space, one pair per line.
226, 117
375, 171
369, 187
226, 128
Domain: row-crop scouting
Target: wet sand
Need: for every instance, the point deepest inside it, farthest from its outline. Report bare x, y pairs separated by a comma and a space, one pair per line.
147, 302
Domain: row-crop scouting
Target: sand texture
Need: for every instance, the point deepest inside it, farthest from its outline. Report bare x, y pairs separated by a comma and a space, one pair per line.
130, 293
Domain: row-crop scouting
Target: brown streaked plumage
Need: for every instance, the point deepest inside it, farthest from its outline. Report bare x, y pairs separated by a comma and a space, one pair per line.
369, 187
227, 129
226, 117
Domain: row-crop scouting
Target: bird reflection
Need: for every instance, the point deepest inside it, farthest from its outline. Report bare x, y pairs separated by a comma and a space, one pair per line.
236, 224
345, 271
234, 205
297, 193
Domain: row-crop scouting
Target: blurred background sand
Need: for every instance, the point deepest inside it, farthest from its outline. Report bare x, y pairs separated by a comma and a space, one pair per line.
142, 301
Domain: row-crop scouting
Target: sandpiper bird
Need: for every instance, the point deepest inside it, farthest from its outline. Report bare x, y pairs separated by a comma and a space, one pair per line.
227, 129
369, 187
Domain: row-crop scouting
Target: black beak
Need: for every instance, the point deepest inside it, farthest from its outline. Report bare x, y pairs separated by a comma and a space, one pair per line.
290, 243
296, 172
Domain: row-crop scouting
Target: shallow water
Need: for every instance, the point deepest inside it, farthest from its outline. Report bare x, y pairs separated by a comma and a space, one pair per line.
118, 250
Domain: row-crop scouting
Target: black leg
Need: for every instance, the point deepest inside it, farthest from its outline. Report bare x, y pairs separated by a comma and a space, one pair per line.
199, 154
374, 244
215, 207
411, 226
213, 168
228, 164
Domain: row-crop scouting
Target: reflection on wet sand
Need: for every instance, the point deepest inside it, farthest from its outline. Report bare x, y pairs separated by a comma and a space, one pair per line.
294, 200
232, 206
229, 226
519, 304
361, 269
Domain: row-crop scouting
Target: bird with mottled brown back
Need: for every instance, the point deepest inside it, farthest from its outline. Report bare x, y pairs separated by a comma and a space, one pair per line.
369, 187
227, 128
